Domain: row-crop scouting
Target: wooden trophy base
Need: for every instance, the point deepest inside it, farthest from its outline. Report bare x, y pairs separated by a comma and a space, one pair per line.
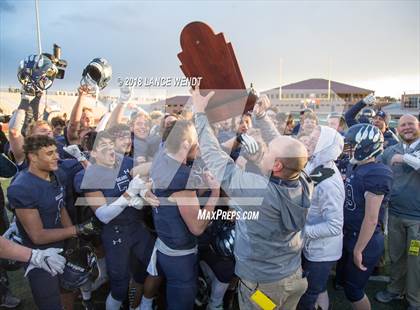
208, 55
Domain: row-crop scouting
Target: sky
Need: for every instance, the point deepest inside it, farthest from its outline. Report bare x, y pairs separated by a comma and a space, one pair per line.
370, 44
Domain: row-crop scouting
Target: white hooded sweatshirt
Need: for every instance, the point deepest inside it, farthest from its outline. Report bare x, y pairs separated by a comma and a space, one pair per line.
323, 230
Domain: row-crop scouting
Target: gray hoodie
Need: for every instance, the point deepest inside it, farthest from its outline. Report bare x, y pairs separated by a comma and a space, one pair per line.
267, 249
324, 224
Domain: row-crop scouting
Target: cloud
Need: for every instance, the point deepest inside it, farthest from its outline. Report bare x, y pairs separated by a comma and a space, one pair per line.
6, 6
77, 19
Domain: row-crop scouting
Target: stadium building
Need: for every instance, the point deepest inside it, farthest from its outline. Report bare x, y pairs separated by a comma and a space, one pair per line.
322, 95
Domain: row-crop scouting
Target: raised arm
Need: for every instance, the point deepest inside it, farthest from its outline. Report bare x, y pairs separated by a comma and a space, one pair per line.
350, 115
217, 161
76, 113
19, 122
117, 113
262, 121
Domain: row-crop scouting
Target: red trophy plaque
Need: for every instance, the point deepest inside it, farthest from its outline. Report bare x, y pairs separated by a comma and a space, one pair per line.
208, 55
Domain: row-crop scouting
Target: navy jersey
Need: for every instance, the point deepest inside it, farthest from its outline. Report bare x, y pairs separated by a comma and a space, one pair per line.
371, 177
170, 176
61, 139
146, 148
28, 191
70, 167
343, 162
390, 138
112, 182
153, 145
139, 147
61, 143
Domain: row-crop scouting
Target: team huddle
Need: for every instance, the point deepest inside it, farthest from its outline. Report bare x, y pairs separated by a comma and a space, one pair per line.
119, 202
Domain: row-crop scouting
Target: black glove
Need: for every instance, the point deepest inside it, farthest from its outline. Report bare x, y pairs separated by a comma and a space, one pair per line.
250, 145
320, 174
91, 227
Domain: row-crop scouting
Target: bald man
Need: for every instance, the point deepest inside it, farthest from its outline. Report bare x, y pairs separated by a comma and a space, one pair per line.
267, 248
404, 215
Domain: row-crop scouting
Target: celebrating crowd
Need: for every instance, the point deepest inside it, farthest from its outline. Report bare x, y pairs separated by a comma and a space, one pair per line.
119, 202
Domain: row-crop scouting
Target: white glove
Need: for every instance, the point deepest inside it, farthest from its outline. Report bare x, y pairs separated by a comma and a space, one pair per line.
12, 230
136, 203
125, 94
49, 260
251, 146
74, 151
369, 100
135, 186
261, 106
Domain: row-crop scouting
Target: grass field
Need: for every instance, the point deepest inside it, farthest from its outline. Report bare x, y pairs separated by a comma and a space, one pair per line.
20, 288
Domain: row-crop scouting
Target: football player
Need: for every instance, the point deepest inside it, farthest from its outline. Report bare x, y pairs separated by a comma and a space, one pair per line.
367, 186
112, 194
37, 195
176, 220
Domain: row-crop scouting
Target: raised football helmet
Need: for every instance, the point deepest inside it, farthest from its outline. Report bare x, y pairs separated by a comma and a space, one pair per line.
36, 73
97, 74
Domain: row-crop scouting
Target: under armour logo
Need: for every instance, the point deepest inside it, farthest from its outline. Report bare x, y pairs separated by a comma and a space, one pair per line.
114, 242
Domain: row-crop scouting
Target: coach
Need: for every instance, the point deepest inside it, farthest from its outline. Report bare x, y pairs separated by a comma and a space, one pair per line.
404, 215
268, 250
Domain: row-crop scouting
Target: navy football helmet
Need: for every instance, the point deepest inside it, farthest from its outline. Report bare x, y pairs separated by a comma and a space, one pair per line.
36, 73
79, 267
367, 115
366, 142
223, 243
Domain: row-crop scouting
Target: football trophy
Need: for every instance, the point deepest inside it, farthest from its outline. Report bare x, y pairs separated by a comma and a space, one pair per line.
208, 55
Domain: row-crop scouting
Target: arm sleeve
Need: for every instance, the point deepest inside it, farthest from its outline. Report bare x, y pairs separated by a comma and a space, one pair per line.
350, 115
268, 130
331, 210
102, 123
232, 179
413, 161
31, 110
106, 213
